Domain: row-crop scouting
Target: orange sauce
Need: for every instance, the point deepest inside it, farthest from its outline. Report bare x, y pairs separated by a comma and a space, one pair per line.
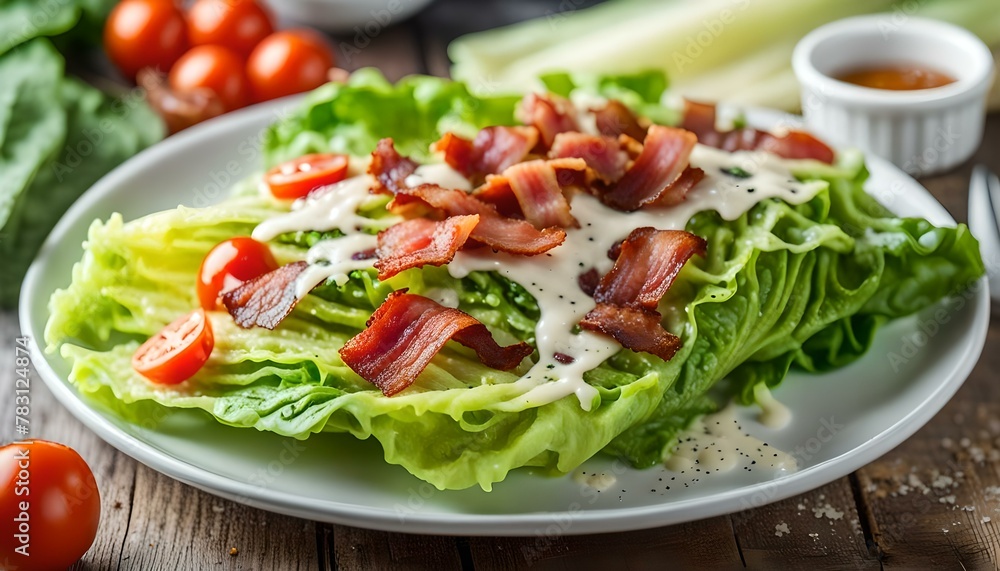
896, 77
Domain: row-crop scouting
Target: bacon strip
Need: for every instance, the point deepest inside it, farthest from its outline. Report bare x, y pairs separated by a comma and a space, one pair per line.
636, 329
421, 242
538, 193
405, 333
617, 119
628, 295
389, 168
493, 150
265, 301
659, 166
500, 233
699, 118
603, 154
550, 114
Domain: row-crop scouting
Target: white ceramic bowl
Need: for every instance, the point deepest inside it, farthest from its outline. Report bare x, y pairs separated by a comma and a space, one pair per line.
365, 19
921, 131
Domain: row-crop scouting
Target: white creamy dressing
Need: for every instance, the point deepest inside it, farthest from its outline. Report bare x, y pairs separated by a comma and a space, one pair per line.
551, 277
440, 174
334, 259
773, 413
718, 443
583, 103
334, 208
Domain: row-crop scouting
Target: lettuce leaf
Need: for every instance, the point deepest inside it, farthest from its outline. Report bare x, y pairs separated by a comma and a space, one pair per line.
782, 286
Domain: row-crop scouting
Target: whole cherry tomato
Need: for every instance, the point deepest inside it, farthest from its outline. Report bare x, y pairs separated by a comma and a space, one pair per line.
49, 503
216, 68
287, 62
145, 33
228, 265
236, 24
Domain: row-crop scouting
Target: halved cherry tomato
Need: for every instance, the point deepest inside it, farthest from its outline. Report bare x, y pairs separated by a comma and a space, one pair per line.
49, 503
145, 33
237, 24
216, 68
228, 265
178, 351
298, 177
287, 62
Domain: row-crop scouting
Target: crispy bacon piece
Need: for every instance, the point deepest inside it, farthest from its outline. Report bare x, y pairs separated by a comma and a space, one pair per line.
635, 329
493, 150
267, 300
497, 191
389, 168
421, 242
500, 233
534, 190
699, 118
654, 173
628, 295
617, 119
405, 333
603, 154
677, 192
535, 184
549, 114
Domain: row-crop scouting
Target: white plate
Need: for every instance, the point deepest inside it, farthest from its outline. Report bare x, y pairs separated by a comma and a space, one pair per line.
842, 420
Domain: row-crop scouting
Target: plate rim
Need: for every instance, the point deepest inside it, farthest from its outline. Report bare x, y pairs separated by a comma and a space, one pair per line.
522, 524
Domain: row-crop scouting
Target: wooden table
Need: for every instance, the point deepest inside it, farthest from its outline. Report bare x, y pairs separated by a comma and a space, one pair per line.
150, 521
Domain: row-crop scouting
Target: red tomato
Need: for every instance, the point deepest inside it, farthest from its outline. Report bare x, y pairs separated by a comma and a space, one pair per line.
228, 265
236, 24
288, 62
145, 33
298, 177
215, 68
49, 499
176, 353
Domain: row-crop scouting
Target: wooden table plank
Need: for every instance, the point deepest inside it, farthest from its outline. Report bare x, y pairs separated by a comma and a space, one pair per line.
705, 544
174, 526
351, 549
818, 528
927, 499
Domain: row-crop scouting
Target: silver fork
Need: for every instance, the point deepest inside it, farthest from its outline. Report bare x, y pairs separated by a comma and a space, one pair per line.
984, 221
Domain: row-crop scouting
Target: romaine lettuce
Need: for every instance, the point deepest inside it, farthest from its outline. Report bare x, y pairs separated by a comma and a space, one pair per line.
781, 286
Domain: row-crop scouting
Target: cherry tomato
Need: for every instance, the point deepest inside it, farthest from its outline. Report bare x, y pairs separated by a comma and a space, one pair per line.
145, 33
228, 265
50, 504
288, 62
176, 353
215, 68
298, 177
236, 24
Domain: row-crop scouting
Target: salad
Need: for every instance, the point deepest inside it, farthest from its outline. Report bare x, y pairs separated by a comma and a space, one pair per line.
489, 283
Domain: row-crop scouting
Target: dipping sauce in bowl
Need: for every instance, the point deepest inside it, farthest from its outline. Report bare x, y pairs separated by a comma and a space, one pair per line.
902, 77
